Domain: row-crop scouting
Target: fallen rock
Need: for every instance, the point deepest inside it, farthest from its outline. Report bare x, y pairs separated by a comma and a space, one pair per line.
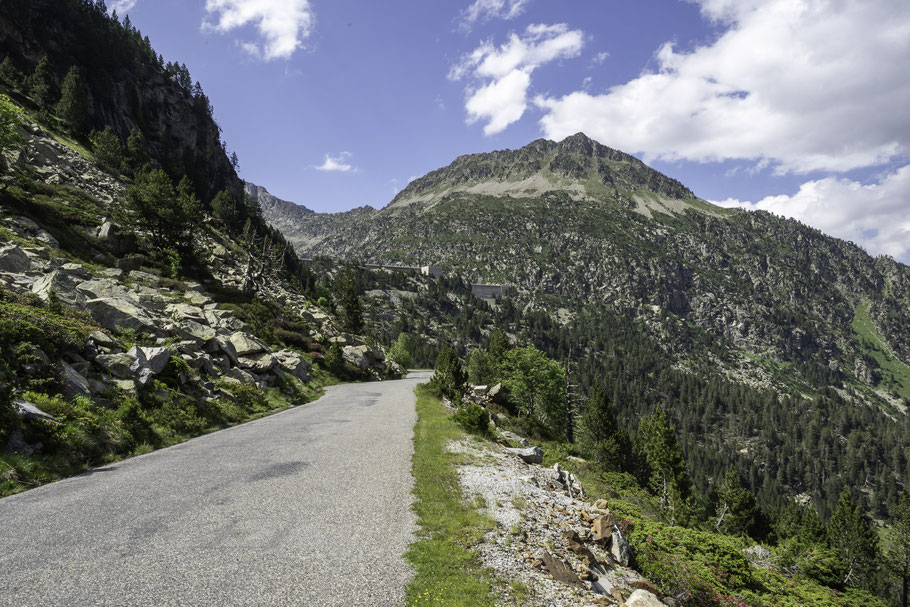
155, 358
258, 363
620, 548
120, 313
560, 570
244, 344
643, 598
74, 384
603, 527
530, 455
62, 284
13, 259
356, 355
119, 365
29, 410
293, 363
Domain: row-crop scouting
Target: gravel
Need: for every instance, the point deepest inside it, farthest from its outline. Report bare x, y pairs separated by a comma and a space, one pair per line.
307, 507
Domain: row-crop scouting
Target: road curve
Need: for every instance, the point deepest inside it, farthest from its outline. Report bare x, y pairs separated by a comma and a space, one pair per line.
307, 507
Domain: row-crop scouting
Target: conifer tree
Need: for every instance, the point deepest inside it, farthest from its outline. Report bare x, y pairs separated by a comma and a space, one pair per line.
42, 84
449, 379
108, 149
600, 434
347, 299
10, 75
224, 208
9, 124
899, 551
73, 105
402, 351
851, 535
136, 153
668, 476
737, 512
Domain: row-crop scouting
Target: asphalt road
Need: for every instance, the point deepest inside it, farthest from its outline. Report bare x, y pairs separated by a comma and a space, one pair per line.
307, 507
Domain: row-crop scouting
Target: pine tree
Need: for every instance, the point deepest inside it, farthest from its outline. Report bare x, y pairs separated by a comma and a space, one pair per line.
9, 124
449, 379
73, 105
224, 208
136, 153
402, 350
851, 535
600, 434
668, 476
899, 551
10, 75
42, 84
347, 299
737, 512
108, 149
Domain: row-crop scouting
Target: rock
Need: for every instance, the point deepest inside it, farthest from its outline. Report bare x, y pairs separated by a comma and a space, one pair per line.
127, 385
100, 338
643, 598
130, 263
18, 444
293, 363
498, 394
560, 570
258, 363
530, 455
156, 358
29, 410
242, 376
115, 273
147, 277
103, 288
118, 365
603, 527
45, 237
196, 298
356, 355
120, 313
189, 329
227, 346
74, 384
244, 344
181, 311
13, 259
62, 284
512, 437
619, 548
76, 269
480, 390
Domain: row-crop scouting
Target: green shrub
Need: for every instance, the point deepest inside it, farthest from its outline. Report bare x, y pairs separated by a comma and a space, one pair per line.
473, 418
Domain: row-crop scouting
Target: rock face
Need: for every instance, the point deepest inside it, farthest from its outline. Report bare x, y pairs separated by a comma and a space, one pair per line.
13, 259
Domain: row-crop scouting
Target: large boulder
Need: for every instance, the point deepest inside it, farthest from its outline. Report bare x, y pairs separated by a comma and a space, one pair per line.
62, 284
119, 365
182, 311
153, 358
620, 548
29, 410
120, 313
530, 455
14, 260
293, 363
103, 288
245, 344
190, 329
74, 384
258, 363
643, 598
359, 356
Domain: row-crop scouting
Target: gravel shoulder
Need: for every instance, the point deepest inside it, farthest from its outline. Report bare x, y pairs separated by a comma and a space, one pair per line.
307, 507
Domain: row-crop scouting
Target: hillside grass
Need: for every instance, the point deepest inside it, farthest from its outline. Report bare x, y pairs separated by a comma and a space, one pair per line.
895, 373
447, 572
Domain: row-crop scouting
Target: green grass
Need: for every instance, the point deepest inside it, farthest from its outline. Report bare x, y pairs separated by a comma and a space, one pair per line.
447, 572
895, 373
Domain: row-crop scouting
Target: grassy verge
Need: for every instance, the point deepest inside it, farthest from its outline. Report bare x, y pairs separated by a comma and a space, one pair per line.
446, 571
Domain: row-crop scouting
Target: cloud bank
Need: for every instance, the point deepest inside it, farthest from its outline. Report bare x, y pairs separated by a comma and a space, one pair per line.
800, 85
337, 164
484, 10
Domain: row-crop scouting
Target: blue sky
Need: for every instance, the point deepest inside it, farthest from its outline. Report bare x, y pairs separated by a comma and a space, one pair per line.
798, 107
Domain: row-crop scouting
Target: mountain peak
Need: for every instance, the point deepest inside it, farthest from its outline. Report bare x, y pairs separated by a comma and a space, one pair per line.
578, 165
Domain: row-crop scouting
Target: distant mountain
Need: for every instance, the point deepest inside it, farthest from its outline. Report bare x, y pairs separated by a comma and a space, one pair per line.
592, 238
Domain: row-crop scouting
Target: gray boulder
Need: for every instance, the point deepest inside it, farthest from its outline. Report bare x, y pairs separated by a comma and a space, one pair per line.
103, 288
643, 598
619, 548
122, 313
14, 260
293, 363
258, 363
29, 410
530, 455
357, 356
155, 358
119, 365
62, 284
74, 384
245, 344
182, 311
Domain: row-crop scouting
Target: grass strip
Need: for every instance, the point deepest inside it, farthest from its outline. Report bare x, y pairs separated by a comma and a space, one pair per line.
447, 572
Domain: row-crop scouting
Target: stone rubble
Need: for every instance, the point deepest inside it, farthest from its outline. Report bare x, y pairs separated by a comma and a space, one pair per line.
564, 550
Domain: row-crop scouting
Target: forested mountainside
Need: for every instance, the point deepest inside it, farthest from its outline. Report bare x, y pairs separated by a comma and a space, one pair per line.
740, 323
129, 86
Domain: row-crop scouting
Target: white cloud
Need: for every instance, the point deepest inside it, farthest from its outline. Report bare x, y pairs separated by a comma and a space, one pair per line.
338, 164
484, 10
600, 57
282, 24
799, 85
122, 6
874, 216
502, 74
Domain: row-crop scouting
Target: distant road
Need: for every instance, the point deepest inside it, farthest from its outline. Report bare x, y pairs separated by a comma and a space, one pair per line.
307, 507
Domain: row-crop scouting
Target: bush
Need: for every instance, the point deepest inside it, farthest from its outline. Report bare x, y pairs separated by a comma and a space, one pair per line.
449, 379
473, 418
402, 351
